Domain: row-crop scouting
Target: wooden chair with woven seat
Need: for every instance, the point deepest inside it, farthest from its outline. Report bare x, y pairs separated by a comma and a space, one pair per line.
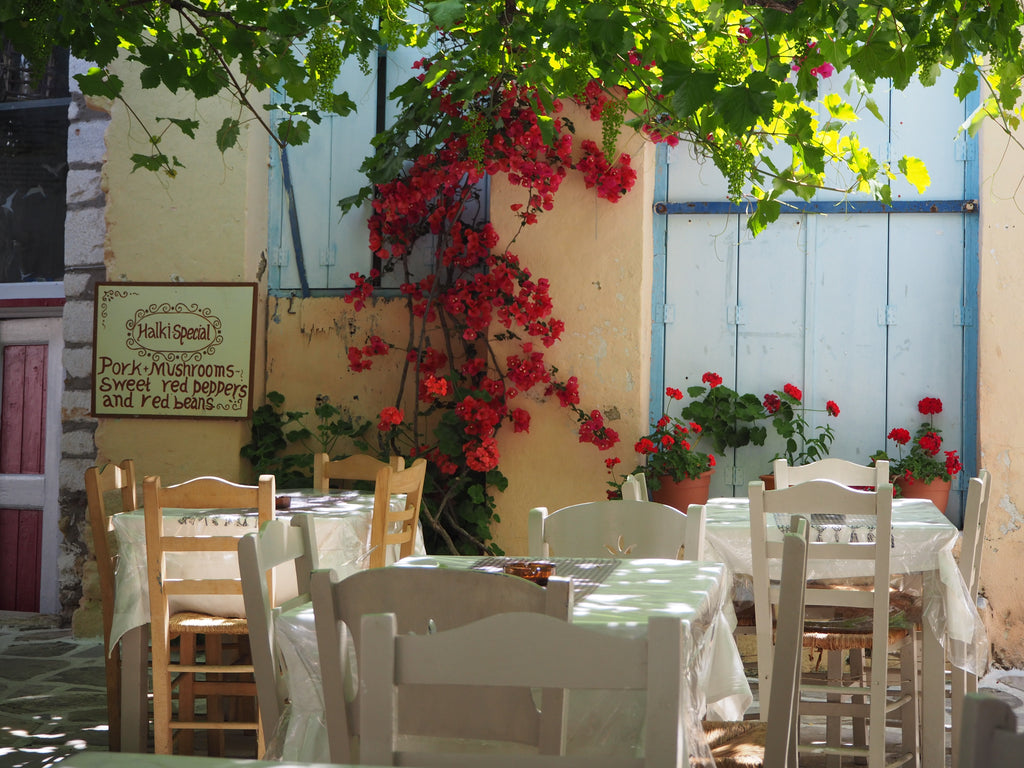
219, 677
361, 466
864, 622
396, 527
842, 471
425, 600
773, 743
617, 528
99, 481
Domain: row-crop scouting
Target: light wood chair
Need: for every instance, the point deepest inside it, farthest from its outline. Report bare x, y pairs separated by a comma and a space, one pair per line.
425, 600
524, 650
634, 488
352, 468
396, 527
773, 744
842, 698
840, 470
206, 493
990, 734
971, 550
277, 543
607, 528
100, 481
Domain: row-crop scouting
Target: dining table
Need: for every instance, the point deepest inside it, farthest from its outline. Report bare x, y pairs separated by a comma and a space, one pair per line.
921, 562
341, 522
613, 595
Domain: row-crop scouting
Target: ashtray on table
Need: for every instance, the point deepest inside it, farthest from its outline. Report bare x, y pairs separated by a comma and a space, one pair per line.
536, 571
283, 502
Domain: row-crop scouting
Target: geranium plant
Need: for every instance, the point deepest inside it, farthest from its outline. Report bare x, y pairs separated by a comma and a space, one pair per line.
804, 443
728, 419
925, 460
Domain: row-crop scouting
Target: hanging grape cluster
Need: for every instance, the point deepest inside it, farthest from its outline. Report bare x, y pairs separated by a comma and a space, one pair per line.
323, 62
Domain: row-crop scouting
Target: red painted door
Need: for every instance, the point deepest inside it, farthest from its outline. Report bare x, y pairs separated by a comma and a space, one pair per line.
22, 452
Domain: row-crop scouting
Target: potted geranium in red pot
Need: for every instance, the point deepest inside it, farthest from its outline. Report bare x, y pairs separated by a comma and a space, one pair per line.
926, 472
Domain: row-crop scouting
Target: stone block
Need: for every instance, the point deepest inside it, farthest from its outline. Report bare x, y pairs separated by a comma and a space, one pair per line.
76, 404
78, 319
78, 442
79, 283
78, 361
72, 472
83, 185
87, 141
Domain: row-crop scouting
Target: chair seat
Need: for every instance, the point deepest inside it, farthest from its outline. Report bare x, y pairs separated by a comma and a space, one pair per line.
197, 623
845, 640
736, 743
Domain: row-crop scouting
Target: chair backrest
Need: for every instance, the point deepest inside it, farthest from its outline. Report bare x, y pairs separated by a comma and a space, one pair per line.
784, 696
696, 524
840, 470
823, 502
277, 543
990, 738
425, 599
634, 487
100, 481
522, 649
973, 542
207, 493
358, 467
607, 529
390, 526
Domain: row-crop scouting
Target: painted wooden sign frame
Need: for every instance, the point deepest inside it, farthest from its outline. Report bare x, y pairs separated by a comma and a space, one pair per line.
174, 350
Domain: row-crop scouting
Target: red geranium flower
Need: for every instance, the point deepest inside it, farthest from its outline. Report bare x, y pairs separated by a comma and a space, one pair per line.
900, 436
772, 403
712, 379
390, 417
930, 442
793, 392
929, 406
832, 408
674, 393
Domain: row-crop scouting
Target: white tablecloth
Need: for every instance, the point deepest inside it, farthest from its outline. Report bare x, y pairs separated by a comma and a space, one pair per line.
599, 722
341, 520
922, 544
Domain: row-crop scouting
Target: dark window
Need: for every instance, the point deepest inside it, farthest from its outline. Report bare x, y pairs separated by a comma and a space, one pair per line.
33, 167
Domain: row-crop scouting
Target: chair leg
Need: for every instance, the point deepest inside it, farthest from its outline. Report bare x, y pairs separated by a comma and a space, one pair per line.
186, 693
910, 715
860, 724
214, 703
112, 663
833, 723
162, 741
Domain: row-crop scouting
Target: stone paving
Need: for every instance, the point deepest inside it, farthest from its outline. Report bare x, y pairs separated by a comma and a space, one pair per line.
53, 694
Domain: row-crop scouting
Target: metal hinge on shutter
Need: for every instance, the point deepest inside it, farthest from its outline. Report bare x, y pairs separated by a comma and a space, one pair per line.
963, 316
736, 315
278, 256
664, 314
887, 315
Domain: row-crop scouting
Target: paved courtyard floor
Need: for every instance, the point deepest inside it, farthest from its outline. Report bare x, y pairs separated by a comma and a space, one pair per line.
53, 695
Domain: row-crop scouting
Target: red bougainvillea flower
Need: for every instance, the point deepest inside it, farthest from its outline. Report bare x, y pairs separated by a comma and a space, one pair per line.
832, 408
931, 443
953, 464
794, 392
900, 436
929, 406
823, 70
712, 379
593, 430
744, 35
772, 403
520, 420
390, 417
674, 393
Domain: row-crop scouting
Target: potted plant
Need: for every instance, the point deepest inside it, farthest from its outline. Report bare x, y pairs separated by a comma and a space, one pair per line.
923, 472
804, 443
677, 473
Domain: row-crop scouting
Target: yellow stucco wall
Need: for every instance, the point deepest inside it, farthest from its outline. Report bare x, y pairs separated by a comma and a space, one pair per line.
1000, 369
597, 256
207, 224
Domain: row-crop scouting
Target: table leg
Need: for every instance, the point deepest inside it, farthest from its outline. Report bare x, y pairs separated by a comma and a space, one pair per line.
933, 699
135, 690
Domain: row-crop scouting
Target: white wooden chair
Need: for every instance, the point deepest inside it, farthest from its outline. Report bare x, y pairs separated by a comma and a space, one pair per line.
840, 470
843, 698
990, 737
361, 466
205, 493
607, 529
696, 523
773, 744
527, 650
100, 481
277, 543
971, 550
425, 599
634, 487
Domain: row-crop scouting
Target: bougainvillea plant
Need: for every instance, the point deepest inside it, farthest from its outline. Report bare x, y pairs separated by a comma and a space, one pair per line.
925, 460
480, 322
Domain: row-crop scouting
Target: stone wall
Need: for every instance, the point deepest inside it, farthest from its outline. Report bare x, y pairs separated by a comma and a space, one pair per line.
84, 246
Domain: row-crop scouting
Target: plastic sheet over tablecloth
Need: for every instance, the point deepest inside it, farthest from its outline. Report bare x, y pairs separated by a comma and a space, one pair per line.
600, 722
921, 560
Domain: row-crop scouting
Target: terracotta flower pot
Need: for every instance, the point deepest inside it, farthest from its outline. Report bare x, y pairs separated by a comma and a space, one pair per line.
768, 480
683, 493
937, 491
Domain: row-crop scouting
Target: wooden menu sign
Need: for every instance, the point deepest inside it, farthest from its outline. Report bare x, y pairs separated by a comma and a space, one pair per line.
177, 350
